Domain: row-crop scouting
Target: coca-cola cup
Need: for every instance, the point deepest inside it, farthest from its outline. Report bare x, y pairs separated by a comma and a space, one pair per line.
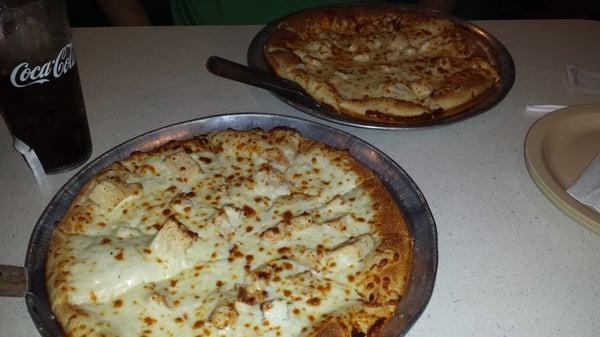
40, 93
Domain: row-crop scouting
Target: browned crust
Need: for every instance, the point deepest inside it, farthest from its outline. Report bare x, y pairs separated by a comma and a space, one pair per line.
315, 20
463, 87
330, 328
388, 217
282, 61
358, 320
344, 19
387, 106
387, 279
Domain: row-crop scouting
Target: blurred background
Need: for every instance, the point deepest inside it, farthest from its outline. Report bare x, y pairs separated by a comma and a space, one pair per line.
91, 13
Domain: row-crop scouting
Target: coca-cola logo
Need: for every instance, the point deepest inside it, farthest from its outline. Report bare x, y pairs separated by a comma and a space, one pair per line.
24, 74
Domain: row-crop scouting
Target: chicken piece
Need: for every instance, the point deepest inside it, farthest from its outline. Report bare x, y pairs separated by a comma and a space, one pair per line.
364, 57
159, 299
310, 258
349, 252
270, 183
285, 228
224, 315
109, 192
172, 239
182, 164
250, 294
126, 232
335, 208
340, 223
420, 88
398, 90
274, 311
276, 159
259, 278
398, 43
226, 220
274, 234
180, 202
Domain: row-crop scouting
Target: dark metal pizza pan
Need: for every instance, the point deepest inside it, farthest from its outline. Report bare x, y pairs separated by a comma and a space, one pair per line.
408, 196
496, 49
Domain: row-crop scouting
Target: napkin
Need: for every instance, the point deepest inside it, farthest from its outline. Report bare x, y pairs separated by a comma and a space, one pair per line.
583, 80
542, 109
586, 188
34, 164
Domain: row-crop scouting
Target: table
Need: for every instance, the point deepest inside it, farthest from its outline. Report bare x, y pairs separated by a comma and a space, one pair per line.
510, 263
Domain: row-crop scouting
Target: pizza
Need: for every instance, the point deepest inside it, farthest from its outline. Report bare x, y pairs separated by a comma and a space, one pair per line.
232, 233
383, 64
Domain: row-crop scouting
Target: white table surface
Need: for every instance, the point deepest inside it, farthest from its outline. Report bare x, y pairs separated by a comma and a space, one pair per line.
510, 263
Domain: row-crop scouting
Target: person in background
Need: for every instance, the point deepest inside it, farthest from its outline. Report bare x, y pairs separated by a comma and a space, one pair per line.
124, 12
179, 12
227, 12
219, 12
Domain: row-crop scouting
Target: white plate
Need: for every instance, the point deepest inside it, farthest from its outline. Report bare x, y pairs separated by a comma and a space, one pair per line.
558, 147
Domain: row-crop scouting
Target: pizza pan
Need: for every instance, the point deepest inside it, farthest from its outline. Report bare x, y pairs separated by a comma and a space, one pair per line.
496, 50
30, 280
558, 147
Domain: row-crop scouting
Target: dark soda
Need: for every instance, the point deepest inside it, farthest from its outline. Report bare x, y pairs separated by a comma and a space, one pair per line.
49, 117
40, 92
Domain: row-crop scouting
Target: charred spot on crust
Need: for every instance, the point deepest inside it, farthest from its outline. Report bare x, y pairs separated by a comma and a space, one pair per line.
356, 333
376, 328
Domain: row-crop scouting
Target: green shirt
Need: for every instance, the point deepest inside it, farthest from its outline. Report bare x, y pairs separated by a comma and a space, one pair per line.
238, 12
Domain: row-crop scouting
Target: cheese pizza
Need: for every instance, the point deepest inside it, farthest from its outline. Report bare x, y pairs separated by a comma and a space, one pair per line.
382, 63
233, 233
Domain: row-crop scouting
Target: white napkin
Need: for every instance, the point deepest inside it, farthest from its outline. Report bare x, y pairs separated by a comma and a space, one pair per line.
586, 188
583, 80
34, 164
539, 110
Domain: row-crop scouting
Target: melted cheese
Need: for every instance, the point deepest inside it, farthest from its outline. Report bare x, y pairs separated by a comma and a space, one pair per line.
187, 255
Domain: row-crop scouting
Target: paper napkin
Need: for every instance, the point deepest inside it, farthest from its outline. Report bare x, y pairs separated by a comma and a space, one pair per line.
34, 164
583, 80
586, 188
541, 109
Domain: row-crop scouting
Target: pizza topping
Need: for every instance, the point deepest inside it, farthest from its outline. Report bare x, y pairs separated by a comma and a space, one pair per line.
226, 221
109, 193
172, 239
128, 233
349, 252
421, 89
286, 227
224, 315
276, 158
250, 294
364, 57
310, 258
275, 311
182, 165
270, 184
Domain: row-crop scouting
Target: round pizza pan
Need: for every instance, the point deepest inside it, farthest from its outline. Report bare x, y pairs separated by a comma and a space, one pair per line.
418, 217
498, 53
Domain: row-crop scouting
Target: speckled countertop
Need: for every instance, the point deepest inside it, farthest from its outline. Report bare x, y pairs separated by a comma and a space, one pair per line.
510, 263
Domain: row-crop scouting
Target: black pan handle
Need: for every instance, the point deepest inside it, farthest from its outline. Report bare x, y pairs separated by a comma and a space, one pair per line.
13, 281
241, 73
